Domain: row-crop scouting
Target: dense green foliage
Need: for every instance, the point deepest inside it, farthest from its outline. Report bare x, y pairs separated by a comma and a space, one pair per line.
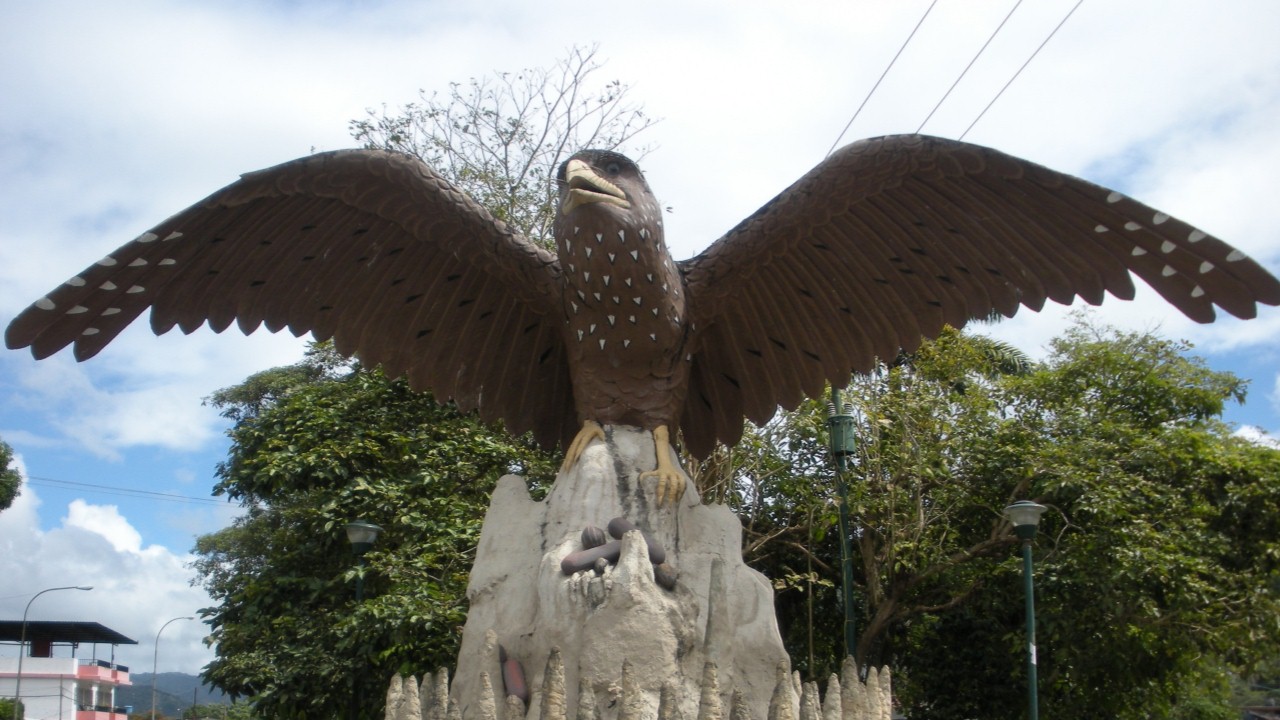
10, 481
336, 448
1156, 566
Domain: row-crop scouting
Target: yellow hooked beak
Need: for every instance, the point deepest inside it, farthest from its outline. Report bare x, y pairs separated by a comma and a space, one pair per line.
585, 186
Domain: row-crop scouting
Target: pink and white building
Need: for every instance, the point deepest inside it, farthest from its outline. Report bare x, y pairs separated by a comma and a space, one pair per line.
55, 682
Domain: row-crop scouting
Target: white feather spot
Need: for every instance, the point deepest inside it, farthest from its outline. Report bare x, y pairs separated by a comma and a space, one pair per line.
137, 262
76, 281
653, 337
1197, 291
644, 233
1205, 267
1159, 218
583, 296
110, 311
1100, 228
168, 261
611, 257
635, 255
1114, 197
172, 236
1235, 256
108, 261
588, 253
586, 277
632, 319
89, 331
575, 229
649, 276
599, 238
622, 236
108, 285
627, 281
45, 303
1131, 226
597, 296
147, 237
1167, 271
606, 281
1167, 247
572, 268
655, 312
611, 319
626, 343
575, 307
580, 334
636, 300
1196, 236
592, 330
602, 341
617, 300
77, 310
1139, 251
135, 289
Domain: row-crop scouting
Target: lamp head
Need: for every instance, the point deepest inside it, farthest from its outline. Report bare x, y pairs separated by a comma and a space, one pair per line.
362, 535
1025, 517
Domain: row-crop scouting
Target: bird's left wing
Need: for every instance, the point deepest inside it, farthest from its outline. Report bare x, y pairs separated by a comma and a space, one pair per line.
888, 239
370, 248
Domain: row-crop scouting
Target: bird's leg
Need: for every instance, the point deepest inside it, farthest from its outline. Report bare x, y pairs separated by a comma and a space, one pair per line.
591, 430
670, 479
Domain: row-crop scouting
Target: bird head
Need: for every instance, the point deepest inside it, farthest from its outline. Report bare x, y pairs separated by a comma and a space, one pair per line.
602, 181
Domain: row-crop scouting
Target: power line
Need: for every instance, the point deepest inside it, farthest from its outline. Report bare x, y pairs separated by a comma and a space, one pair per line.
882, 76
120, 491
966, 67
1024, 67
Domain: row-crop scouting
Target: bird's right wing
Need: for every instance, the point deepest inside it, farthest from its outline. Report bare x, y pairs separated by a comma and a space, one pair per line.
888, 239
370, 248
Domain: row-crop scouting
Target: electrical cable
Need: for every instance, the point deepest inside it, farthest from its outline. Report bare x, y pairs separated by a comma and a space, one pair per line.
966, 67
882, 76
1024, 67
120, 491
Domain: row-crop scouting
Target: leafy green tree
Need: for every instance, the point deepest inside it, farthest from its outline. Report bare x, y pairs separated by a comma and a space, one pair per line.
1160, 549
10, 481
288, 631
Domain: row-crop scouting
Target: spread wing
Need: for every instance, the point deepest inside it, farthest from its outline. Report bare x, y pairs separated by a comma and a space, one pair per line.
372, 249
890, 238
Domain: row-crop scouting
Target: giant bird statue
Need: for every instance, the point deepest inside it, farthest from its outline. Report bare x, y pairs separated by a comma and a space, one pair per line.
872, 251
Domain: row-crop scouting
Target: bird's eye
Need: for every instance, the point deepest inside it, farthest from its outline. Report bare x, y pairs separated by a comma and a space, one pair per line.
613, 168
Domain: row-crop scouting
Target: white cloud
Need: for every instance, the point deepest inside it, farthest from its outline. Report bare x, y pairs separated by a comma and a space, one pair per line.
135, 588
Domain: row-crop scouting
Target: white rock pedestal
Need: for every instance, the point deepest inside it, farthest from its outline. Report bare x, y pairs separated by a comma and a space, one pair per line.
719, 610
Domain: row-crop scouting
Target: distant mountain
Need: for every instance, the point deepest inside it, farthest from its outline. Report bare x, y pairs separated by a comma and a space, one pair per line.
173, 693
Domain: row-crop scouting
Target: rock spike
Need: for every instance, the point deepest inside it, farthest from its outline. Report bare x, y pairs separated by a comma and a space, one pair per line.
513, 708
738, 709
886, 694
668, 702
783, 692
832, 703
552, 705
394, 692
709, 702
487, 705
809, 707
454, 712
587, 709
409, 708
872, 695
852, 694
797, 687
632, 697
439, 708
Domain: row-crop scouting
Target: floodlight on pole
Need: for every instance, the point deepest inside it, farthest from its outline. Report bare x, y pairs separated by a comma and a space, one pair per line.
17, 683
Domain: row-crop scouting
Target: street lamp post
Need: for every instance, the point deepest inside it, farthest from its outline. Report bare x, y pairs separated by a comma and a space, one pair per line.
841, 441
1025, 517
155, 662
17, 682
362, 535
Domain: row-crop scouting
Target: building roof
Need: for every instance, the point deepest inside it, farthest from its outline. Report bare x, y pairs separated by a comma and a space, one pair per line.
62, 631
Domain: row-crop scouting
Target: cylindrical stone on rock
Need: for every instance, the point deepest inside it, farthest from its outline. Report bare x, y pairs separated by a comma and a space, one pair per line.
620, 526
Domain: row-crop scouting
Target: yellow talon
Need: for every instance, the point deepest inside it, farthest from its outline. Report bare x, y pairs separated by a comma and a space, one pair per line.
591, 430
670, 479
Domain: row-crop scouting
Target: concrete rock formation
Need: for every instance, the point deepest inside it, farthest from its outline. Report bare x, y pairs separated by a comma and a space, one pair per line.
719, 611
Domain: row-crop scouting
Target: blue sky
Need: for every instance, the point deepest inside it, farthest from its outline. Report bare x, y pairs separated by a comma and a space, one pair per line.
116, 116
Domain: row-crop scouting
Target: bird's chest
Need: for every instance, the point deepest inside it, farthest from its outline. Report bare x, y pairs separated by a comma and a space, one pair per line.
624, 299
